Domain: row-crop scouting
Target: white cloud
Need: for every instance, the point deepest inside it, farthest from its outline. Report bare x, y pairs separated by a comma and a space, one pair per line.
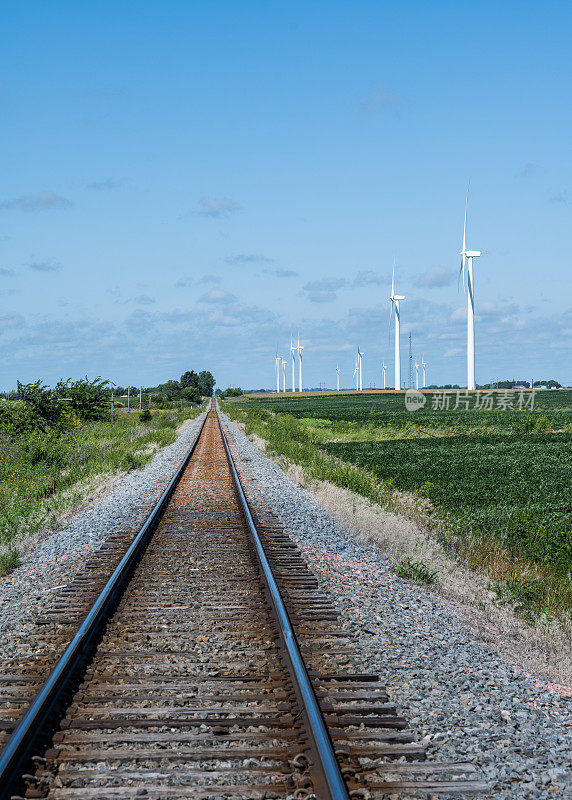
436, 277
217, 207
217, 297
43, 201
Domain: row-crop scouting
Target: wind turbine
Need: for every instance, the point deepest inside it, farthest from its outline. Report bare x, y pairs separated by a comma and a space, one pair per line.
300, 348
293, 358
383, 367
469, 254
284, 362
277, 361
360, 355
395, 298
424, 367
417, 376
338, 377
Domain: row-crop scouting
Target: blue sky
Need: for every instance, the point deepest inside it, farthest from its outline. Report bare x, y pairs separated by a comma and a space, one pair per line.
183, 184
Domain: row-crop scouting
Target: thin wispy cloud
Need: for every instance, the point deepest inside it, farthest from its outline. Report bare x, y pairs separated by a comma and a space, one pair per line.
368, 277
248, 258
6, 273
104, 186
184, 283
45, 266
140, 300
436, 277
281, 273
527, 170
217, 207
562, 198
217, 297
324, 290
383, 99
43, 201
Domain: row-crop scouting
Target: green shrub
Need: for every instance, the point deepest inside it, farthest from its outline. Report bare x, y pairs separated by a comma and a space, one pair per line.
417, 571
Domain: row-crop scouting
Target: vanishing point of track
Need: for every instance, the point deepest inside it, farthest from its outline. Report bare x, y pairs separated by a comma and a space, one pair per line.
210, 665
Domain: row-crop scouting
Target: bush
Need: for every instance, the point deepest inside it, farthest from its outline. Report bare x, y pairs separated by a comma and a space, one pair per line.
145, 415
417, 571
89, 400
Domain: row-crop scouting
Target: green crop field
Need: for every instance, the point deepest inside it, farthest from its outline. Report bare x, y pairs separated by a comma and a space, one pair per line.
552, 409
515, 488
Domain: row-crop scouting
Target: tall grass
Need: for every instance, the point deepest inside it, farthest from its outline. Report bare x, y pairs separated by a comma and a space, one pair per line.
43, 474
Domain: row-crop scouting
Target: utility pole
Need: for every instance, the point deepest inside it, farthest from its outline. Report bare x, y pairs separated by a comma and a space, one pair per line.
128, 398
410, 364
140, 397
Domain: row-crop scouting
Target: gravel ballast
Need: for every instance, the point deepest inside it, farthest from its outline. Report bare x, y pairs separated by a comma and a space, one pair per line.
459, 695
25, 591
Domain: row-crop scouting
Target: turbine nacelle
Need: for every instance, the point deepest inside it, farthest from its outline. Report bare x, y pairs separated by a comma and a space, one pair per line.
472, 253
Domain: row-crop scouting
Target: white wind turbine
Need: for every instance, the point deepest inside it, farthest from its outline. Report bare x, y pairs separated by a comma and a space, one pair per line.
360, 355
338, 377
284, 362
469, 254
424, 368
299, 348
277, 361
383, 367
417, 376
293, 359
395, 298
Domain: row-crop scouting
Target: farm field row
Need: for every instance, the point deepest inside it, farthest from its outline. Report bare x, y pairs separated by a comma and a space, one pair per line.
461, 412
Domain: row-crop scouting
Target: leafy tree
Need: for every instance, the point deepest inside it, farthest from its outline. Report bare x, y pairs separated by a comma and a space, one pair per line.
191, 394
189, 379
206, 383
232, 391
88, 399
42, 404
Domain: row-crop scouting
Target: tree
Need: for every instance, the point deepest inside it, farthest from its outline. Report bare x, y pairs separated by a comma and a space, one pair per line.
189, 379
191, 394
41, 402
206, 383
88, 399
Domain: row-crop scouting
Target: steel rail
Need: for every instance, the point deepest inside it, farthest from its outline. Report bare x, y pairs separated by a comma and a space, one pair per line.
328, 765
18, 750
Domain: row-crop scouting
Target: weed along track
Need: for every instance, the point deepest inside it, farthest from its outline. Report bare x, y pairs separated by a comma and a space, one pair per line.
214, 667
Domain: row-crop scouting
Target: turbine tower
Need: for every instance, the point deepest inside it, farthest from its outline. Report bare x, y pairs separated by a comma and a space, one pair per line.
383, 367
395, 298
424, 368
356, 376
417, 376
277, 361
293, 358
338, 377
299, 348
360, 355
284, 362
469, 254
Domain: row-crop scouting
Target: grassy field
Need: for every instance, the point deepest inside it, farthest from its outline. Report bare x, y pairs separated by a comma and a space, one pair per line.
43, 473
499, 496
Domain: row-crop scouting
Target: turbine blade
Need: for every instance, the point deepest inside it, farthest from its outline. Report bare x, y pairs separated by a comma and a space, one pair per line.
393, 278
463, 257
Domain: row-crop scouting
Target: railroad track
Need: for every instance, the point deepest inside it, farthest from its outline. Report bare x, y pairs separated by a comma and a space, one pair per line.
209, 665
